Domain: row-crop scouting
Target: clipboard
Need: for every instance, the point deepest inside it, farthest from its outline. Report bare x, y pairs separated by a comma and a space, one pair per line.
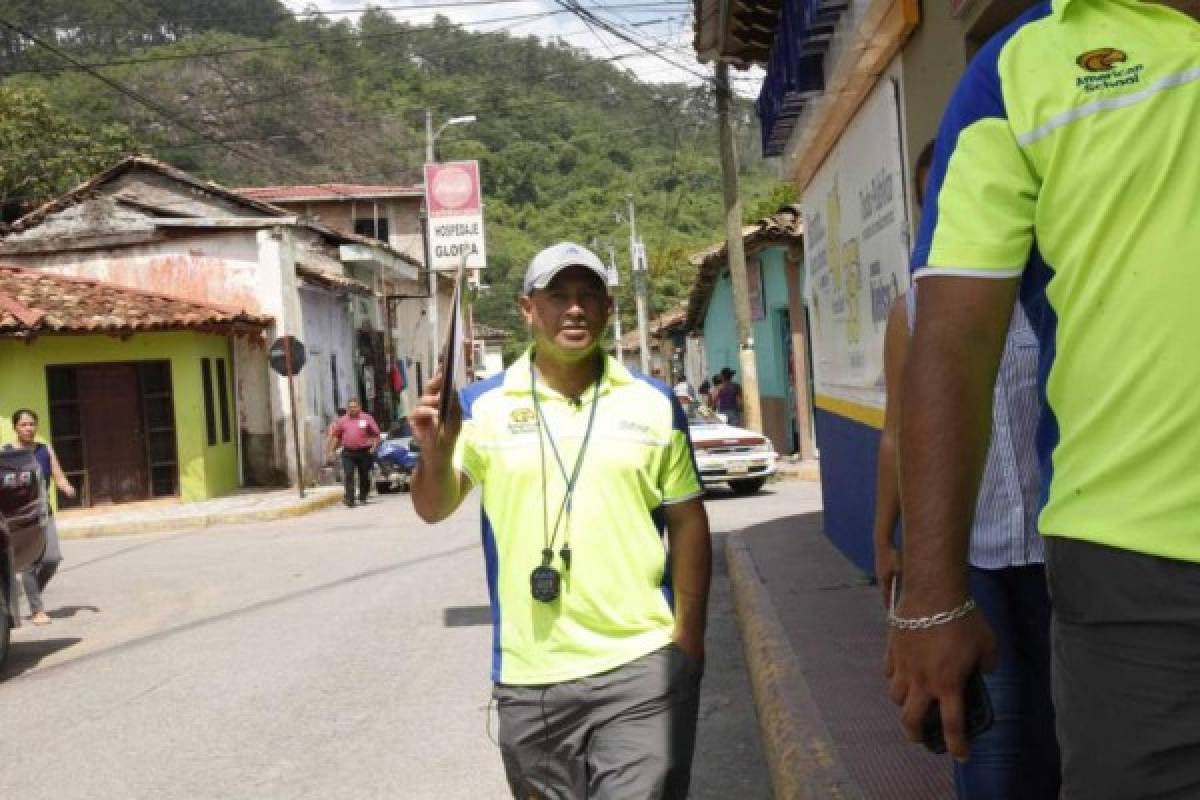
452, 349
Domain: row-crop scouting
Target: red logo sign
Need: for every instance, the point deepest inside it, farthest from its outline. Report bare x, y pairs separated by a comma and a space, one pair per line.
452, 189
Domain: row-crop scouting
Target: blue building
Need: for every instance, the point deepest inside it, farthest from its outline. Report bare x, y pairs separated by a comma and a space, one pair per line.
779, 323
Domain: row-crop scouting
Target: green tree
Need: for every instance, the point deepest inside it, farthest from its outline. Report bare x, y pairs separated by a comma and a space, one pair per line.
44, 152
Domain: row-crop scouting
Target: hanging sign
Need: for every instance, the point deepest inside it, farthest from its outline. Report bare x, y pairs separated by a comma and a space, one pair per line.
455, 204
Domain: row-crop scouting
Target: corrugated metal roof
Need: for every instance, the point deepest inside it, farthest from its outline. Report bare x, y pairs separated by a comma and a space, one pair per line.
134, 162
331, 280
329, 191
35, 301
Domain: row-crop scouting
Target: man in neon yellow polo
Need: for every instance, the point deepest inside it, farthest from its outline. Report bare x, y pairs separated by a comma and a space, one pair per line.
598, 618
1070, 145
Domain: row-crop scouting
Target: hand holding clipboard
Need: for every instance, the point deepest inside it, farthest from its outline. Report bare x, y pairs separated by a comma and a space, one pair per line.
437, 418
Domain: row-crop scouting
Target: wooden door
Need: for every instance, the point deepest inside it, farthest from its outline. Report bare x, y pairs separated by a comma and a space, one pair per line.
111, 411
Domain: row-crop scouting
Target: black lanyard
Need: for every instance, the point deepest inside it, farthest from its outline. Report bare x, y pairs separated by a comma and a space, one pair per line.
544, 435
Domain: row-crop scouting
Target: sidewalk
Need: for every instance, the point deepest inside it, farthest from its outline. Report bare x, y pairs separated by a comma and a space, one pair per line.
814, 633
246, 505
787, 469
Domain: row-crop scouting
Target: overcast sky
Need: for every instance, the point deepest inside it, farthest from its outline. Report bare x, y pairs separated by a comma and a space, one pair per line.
662, 25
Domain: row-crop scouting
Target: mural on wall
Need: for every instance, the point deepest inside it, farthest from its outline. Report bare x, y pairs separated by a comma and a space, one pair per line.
856, 228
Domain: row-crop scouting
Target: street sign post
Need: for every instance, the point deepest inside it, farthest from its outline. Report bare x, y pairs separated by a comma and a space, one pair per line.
287, 357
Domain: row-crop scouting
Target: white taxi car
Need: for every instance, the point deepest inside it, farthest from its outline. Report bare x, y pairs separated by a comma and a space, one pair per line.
726, 454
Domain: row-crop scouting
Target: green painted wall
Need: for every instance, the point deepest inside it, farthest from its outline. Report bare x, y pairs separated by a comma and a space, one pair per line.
204, 471
720, 328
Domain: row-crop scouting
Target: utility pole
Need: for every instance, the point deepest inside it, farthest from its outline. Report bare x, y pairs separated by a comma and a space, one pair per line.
736, 254
637, 262
614, 282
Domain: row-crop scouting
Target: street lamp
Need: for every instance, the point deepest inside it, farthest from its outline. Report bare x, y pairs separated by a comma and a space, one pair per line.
430, 140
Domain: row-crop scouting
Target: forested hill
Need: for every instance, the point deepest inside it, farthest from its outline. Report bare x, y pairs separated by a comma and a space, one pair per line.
242, 92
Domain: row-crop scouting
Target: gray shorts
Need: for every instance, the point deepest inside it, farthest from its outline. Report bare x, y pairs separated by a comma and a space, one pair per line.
1126, 639
627, 733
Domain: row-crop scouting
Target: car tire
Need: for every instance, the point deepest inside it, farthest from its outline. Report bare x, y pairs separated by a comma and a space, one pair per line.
747, 486
383, 487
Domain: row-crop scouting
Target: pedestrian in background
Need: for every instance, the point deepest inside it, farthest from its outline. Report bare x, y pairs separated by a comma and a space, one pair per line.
729, 398
714, 391
683, 391
1065, 174
1017, 757
35, 578
358, 435
598, 645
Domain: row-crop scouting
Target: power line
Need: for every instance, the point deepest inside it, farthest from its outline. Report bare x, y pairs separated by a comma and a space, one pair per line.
296, 92
575, 8
299, 16
137, 97
121, 88
214, 54
291, 45
163, 111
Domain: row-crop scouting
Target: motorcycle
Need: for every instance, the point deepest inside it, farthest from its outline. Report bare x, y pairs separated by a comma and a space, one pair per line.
395, 460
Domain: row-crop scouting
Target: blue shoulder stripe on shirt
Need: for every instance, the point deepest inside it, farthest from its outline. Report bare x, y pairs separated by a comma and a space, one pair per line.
977, 96
678, 415
469, 394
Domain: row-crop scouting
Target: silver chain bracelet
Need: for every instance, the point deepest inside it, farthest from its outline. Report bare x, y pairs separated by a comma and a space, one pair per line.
940, 618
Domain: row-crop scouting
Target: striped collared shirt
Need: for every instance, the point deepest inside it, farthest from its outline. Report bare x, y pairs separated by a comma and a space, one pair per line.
1005, 532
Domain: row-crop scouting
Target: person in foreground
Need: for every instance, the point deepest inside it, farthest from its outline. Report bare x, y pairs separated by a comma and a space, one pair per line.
34, 579
598, 621
1065, 170
1017, 757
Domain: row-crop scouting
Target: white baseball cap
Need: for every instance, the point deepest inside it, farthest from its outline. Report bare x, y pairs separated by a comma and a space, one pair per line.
555, 258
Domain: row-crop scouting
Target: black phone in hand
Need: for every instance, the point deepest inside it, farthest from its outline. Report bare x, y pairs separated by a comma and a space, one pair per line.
977, 714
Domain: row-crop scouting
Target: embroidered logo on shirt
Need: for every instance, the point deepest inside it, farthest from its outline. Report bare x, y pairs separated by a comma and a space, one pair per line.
1104, 72
1101, 59
522, 420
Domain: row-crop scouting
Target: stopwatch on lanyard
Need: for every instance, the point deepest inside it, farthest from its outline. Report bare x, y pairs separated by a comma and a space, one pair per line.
545, 582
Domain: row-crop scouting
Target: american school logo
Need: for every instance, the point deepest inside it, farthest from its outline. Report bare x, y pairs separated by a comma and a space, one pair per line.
522, 420
1101, 59
1103, 70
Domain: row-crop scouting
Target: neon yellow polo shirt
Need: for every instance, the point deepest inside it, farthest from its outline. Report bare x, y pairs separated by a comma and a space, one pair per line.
615, 604
1071, 153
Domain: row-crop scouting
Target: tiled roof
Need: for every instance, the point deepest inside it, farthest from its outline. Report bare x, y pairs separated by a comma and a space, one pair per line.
35, 301
660, 326
784, 227
328, 191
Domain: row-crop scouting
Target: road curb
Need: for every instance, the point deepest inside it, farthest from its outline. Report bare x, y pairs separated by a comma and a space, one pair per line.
804, 471
801, 756
92, 530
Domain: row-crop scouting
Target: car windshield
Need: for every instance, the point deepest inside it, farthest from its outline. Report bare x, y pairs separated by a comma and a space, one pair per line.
702, 415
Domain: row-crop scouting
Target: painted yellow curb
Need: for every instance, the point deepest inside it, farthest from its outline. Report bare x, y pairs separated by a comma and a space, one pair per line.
801, 755
99, 528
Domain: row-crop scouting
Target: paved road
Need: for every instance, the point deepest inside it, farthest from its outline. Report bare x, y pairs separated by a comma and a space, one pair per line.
340, 655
